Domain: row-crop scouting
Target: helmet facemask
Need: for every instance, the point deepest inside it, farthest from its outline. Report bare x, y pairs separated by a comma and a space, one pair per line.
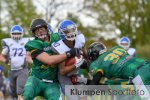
16, 36
125, 45
39, 29
41, 33
70, 32
16, 32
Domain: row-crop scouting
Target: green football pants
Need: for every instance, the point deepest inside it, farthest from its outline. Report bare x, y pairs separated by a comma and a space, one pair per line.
36, 87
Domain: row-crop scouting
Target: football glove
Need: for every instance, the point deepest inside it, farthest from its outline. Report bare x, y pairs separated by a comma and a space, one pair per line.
79, 61
73, 52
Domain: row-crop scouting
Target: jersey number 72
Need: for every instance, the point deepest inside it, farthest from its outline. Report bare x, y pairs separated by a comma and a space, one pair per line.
18, 51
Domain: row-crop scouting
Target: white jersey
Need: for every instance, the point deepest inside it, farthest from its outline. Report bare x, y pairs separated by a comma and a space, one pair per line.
60, 47
15, 51
131, 51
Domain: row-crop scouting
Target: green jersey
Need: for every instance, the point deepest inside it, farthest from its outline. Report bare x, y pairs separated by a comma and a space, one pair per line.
116, 63
39, 69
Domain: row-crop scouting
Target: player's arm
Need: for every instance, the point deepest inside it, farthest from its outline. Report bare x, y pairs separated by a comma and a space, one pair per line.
3, 58
3, 55
97, 75
96, 79
66, 69
53, 59
29, 58
35, 47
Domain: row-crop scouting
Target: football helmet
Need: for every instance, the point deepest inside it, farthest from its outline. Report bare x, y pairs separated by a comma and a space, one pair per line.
67, 30
125, 42
39, 28
96, 49
16, 32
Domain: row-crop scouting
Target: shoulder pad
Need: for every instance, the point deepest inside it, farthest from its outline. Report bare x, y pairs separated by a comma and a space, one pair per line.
80, 41
34, 44
131, 51
55, 37
6, 41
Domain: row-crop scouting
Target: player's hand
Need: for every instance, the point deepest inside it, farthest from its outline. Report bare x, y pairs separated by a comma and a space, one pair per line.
79, 61
73, 52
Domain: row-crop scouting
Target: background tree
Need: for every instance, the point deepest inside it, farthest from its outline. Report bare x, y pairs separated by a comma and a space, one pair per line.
131, 17
128, 17
19, 12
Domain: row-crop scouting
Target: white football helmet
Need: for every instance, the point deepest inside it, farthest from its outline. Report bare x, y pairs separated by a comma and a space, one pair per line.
67, 30
125, 42
16, 32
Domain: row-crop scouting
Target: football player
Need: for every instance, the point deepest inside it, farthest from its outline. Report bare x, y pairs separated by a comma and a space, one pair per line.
43, 77
116, 62
70, 38
125, 43
14, 53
